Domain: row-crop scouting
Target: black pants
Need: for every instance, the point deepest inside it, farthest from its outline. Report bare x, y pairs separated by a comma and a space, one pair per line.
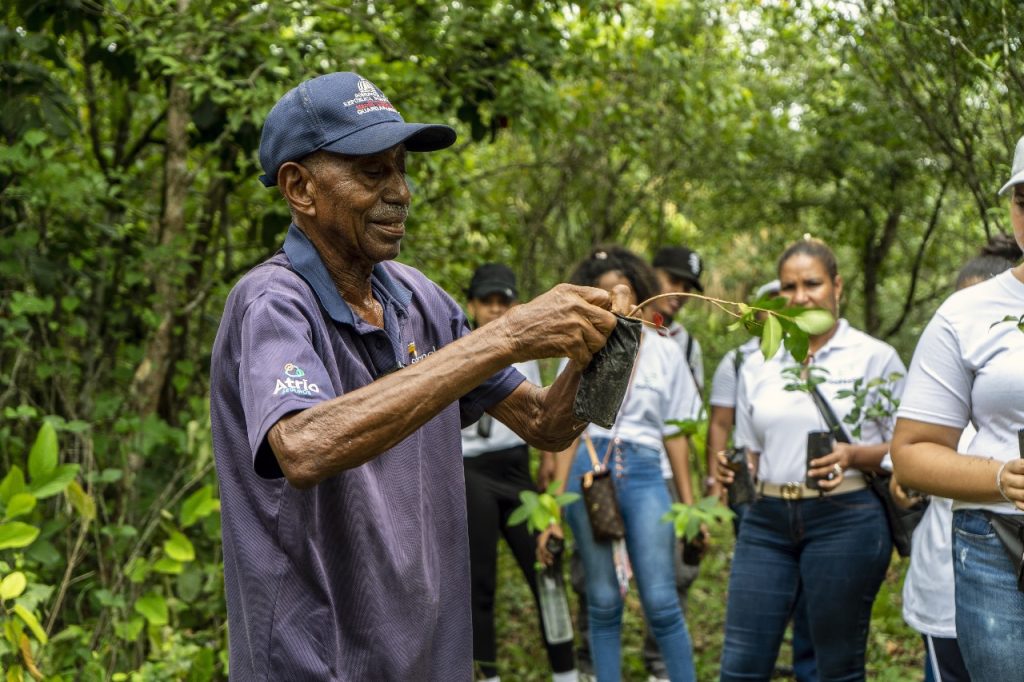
493, 483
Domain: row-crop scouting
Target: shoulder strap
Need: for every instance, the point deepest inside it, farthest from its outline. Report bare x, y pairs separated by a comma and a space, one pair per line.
830, 417
737, 362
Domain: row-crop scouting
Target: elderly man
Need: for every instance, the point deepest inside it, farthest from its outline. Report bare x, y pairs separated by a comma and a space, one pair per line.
339, 383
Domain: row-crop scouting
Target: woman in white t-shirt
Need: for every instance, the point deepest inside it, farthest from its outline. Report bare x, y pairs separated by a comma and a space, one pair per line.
832, 544
928, 597
658, 391
969, 367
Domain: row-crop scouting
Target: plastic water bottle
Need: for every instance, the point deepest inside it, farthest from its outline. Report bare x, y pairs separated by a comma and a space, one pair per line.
554, 606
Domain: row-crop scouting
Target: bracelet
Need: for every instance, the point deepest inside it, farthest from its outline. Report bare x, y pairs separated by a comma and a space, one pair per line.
999, 481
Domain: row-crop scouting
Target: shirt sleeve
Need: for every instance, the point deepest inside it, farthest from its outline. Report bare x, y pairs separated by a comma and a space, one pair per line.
279, 370
743, 435
490, 392
723, 383
939, 384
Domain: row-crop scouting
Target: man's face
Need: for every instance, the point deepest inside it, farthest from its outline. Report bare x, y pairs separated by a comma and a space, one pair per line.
362, 203
489, 308
670, 283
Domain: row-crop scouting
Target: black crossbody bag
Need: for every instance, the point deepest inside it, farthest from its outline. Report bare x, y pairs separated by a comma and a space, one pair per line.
902, 522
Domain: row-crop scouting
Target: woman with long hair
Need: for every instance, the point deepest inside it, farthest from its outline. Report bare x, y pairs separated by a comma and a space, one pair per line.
659, 390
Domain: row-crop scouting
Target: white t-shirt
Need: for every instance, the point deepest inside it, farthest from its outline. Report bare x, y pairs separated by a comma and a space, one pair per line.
681, 336
501, 437
661, 389
929, 604
967, 368
726, 379
774, 422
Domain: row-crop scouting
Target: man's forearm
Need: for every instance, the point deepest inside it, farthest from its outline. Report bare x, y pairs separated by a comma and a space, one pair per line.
543, 416
351, 429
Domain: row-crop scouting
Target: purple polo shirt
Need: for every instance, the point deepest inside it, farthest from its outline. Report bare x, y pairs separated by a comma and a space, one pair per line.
366, 575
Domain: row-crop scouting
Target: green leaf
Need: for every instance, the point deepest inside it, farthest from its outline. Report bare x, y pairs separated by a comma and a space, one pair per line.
20, 504
772, 337
521, 513
55, 482
168, 566
567, 498
31, 622
814, 321
179, 547
34, 138
129, 630
198, 506
12, 585
13, 483
797, 344
81, 501
17, 534
42, 460
153, 608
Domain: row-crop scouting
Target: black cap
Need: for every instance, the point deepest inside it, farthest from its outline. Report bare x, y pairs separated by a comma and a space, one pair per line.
492, 278
681, 262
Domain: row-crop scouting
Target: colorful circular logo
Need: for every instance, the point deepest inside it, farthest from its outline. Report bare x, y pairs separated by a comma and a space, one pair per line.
293, 371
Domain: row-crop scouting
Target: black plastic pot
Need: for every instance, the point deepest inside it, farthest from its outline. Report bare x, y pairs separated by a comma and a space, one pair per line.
605, 380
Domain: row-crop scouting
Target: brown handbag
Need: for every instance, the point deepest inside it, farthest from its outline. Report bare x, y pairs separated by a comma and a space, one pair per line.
599, 497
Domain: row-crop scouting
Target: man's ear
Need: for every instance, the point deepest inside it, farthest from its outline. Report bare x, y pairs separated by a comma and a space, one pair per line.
296, 185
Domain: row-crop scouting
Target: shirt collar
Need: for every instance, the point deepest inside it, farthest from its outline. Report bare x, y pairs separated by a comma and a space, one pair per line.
306, 261
841, 339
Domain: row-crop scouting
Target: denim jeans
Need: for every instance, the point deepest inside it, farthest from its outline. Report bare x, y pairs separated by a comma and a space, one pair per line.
989, 609
836, 549
643, 500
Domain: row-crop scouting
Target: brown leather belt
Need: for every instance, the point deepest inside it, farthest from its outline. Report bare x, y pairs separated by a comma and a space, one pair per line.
797, 490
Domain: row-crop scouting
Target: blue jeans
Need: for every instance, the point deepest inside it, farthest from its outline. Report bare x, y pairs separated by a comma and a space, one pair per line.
643, 500
836, 550
989, 609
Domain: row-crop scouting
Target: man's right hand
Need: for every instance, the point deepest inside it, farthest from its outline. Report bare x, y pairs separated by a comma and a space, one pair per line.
567, 321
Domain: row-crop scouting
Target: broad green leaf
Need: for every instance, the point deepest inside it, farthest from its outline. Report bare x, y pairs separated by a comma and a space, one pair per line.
153, 608
520, 514
42, 460
168, 566
797, 344
567, 498
31, 622
34, 138
12, 484
771, 337
129, 630
16, 534
55, 482
198, 506
814, 321
179, 547
12, 585
81, 501
19, 505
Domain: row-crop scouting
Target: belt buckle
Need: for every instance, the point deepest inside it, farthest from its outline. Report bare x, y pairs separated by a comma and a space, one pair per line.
791, 491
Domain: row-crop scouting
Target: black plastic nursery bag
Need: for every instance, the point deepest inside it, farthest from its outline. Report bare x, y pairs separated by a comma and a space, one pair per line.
605, 380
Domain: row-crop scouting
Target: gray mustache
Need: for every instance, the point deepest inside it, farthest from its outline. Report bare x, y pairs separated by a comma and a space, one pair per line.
393, 214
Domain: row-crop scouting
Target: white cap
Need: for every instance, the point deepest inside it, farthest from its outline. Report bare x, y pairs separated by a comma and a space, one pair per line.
1017, 172
770, 288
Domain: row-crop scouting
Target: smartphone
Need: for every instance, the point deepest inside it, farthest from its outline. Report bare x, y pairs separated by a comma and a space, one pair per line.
819, 444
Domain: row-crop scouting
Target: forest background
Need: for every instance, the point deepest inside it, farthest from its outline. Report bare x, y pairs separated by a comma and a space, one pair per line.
129, 206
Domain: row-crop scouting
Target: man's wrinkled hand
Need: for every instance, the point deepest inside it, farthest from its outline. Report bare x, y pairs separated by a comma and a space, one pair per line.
567, 321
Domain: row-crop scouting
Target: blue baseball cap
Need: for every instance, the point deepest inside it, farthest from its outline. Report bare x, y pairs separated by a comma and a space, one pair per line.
342, 113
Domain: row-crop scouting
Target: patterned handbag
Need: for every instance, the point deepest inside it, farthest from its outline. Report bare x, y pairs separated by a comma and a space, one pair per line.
599, 497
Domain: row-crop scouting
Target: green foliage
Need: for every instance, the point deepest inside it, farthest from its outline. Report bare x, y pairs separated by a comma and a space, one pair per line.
1019, 321
873, 400
687, 519
733, 127
540, 510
